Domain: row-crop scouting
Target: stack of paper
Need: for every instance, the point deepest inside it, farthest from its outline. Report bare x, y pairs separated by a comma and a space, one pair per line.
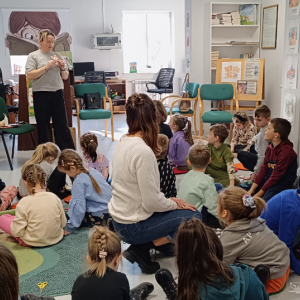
214, 58
225, 19
214, 20
235, 18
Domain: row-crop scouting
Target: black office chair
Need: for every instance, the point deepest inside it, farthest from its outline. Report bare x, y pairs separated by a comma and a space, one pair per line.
95, 77
163, 83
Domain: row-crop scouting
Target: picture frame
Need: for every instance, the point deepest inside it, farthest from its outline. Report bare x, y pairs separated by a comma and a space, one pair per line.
269, 27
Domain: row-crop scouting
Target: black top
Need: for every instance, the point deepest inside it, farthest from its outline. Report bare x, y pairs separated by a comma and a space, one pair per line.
112, 286
165, 129
167, 178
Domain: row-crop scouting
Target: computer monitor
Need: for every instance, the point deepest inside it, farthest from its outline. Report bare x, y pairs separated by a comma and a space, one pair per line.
81, 67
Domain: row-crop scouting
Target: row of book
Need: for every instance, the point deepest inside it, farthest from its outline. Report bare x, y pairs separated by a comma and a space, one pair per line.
232, 18
214, 58
246, 55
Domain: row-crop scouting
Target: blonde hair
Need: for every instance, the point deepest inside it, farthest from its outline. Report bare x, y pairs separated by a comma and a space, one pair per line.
105, 242
163, 143
41, 153
161, 113
199, 156
182, 122
33, 174
70, 158
243, 115
44, 33
231, 199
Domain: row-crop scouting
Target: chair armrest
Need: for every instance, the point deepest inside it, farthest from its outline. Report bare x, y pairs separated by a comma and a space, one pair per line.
150, 82
110, 104
77, 105
237, 105
171, 96
174, 102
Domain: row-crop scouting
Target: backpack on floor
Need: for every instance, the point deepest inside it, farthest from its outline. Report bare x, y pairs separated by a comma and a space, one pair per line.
296, 244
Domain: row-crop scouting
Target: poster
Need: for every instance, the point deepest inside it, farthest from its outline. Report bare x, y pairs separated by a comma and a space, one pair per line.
293, 34
21, 29
246, 87
289, 103
231, 71
133, 68
18, 63
294, 7
67, 56
32, 119
291, 70
251, 69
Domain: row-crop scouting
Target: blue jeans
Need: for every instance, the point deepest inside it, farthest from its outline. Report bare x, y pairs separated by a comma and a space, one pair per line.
160, 224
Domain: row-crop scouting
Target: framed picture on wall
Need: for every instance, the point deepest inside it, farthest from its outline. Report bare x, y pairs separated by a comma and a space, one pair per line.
269, 27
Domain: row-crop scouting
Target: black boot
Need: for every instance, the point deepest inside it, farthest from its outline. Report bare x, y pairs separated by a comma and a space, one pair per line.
263, 273
141, 255
165, 279
34, 297
167, 249
142, 291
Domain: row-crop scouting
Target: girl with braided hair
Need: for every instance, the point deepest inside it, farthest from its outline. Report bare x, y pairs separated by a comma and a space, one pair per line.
181, 142
102, 280
40, 218
90, 192
44, 155
92, 158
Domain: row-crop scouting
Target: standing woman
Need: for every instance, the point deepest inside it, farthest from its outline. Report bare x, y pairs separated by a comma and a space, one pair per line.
143, 216
47, 71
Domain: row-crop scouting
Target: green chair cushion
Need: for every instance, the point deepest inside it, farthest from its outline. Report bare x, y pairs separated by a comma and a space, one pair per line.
192, 88
24, 128
175, 110
91, 88
216, 91
94, 114
217, 117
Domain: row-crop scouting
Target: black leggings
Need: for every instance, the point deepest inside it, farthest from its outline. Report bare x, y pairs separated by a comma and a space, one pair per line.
47, 105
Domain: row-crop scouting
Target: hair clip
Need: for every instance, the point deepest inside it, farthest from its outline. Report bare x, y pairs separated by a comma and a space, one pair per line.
91, 141
102, 254
248, 201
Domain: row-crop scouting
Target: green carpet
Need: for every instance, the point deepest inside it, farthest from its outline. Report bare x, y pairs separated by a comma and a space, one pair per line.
59, 264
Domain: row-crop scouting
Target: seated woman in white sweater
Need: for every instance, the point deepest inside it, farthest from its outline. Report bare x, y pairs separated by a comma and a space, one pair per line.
141, 213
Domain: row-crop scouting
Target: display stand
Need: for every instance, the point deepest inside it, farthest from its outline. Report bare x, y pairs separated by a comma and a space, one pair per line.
260, 92
23, 142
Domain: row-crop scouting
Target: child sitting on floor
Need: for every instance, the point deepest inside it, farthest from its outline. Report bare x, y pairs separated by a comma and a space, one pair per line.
279, 169
199, 189
7, 195
102, 280
90, 192
44, 155
221, 167
253, 161
161, 117
166, 173
202, 275
246, 238
91, 157
40, 217
243, 133
181, 142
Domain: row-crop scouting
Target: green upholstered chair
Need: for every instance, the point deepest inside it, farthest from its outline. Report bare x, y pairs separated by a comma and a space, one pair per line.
94, 114
194, 92
22, 129
217, 92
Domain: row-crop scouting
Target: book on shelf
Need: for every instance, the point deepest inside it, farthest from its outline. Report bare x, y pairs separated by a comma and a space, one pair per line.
214, 58
246, 55
248, 14
214, 20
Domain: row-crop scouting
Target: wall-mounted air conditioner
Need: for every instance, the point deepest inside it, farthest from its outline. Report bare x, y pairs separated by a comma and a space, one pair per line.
107, 41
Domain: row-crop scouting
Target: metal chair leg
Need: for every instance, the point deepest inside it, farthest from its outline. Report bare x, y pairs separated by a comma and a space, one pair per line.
7, 154
32, 139
13, 146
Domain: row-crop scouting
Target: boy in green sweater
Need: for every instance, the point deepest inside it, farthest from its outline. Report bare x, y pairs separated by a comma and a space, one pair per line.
199, 189
221, 167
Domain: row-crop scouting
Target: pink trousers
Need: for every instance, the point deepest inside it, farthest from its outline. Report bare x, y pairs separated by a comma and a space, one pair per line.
5, 223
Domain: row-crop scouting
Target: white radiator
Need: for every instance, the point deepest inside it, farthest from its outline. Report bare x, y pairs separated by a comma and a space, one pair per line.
139, 86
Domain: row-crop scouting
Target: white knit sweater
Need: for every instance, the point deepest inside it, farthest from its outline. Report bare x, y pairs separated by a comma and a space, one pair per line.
136, 183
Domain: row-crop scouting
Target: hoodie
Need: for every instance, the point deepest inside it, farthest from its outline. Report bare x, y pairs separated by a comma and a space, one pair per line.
282, 216
279, 166
251, 242
246, 286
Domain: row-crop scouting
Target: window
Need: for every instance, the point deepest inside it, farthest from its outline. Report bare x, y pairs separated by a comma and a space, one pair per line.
147, 40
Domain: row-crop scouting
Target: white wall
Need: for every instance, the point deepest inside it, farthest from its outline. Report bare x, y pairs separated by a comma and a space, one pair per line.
274, 62
86, 19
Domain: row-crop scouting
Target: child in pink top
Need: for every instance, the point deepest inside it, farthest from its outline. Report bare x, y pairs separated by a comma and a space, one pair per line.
91, 158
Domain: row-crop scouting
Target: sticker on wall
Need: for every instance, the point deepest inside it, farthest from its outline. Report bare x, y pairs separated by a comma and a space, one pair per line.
294, 7
231, 71
291, 71
293, 34
133, 68
289, 103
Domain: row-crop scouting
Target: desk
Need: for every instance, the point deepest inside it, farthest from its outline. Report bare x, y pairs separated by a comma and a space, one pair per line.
115, 84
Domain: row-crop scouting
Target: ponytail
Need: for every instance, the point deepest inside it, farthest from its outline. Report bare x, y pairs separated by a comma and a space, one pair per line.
185, 125
188, 133
89, 143
69, 158
260, 204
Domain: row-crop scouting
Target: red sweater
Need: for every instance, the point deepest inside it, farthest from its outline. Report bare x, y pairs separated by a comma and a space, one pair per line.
276, 163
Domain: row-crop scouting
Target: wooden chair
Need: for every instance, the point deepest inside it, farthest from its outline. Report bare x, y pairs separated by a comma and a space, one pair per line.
94, 114
194, 93
217, 92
